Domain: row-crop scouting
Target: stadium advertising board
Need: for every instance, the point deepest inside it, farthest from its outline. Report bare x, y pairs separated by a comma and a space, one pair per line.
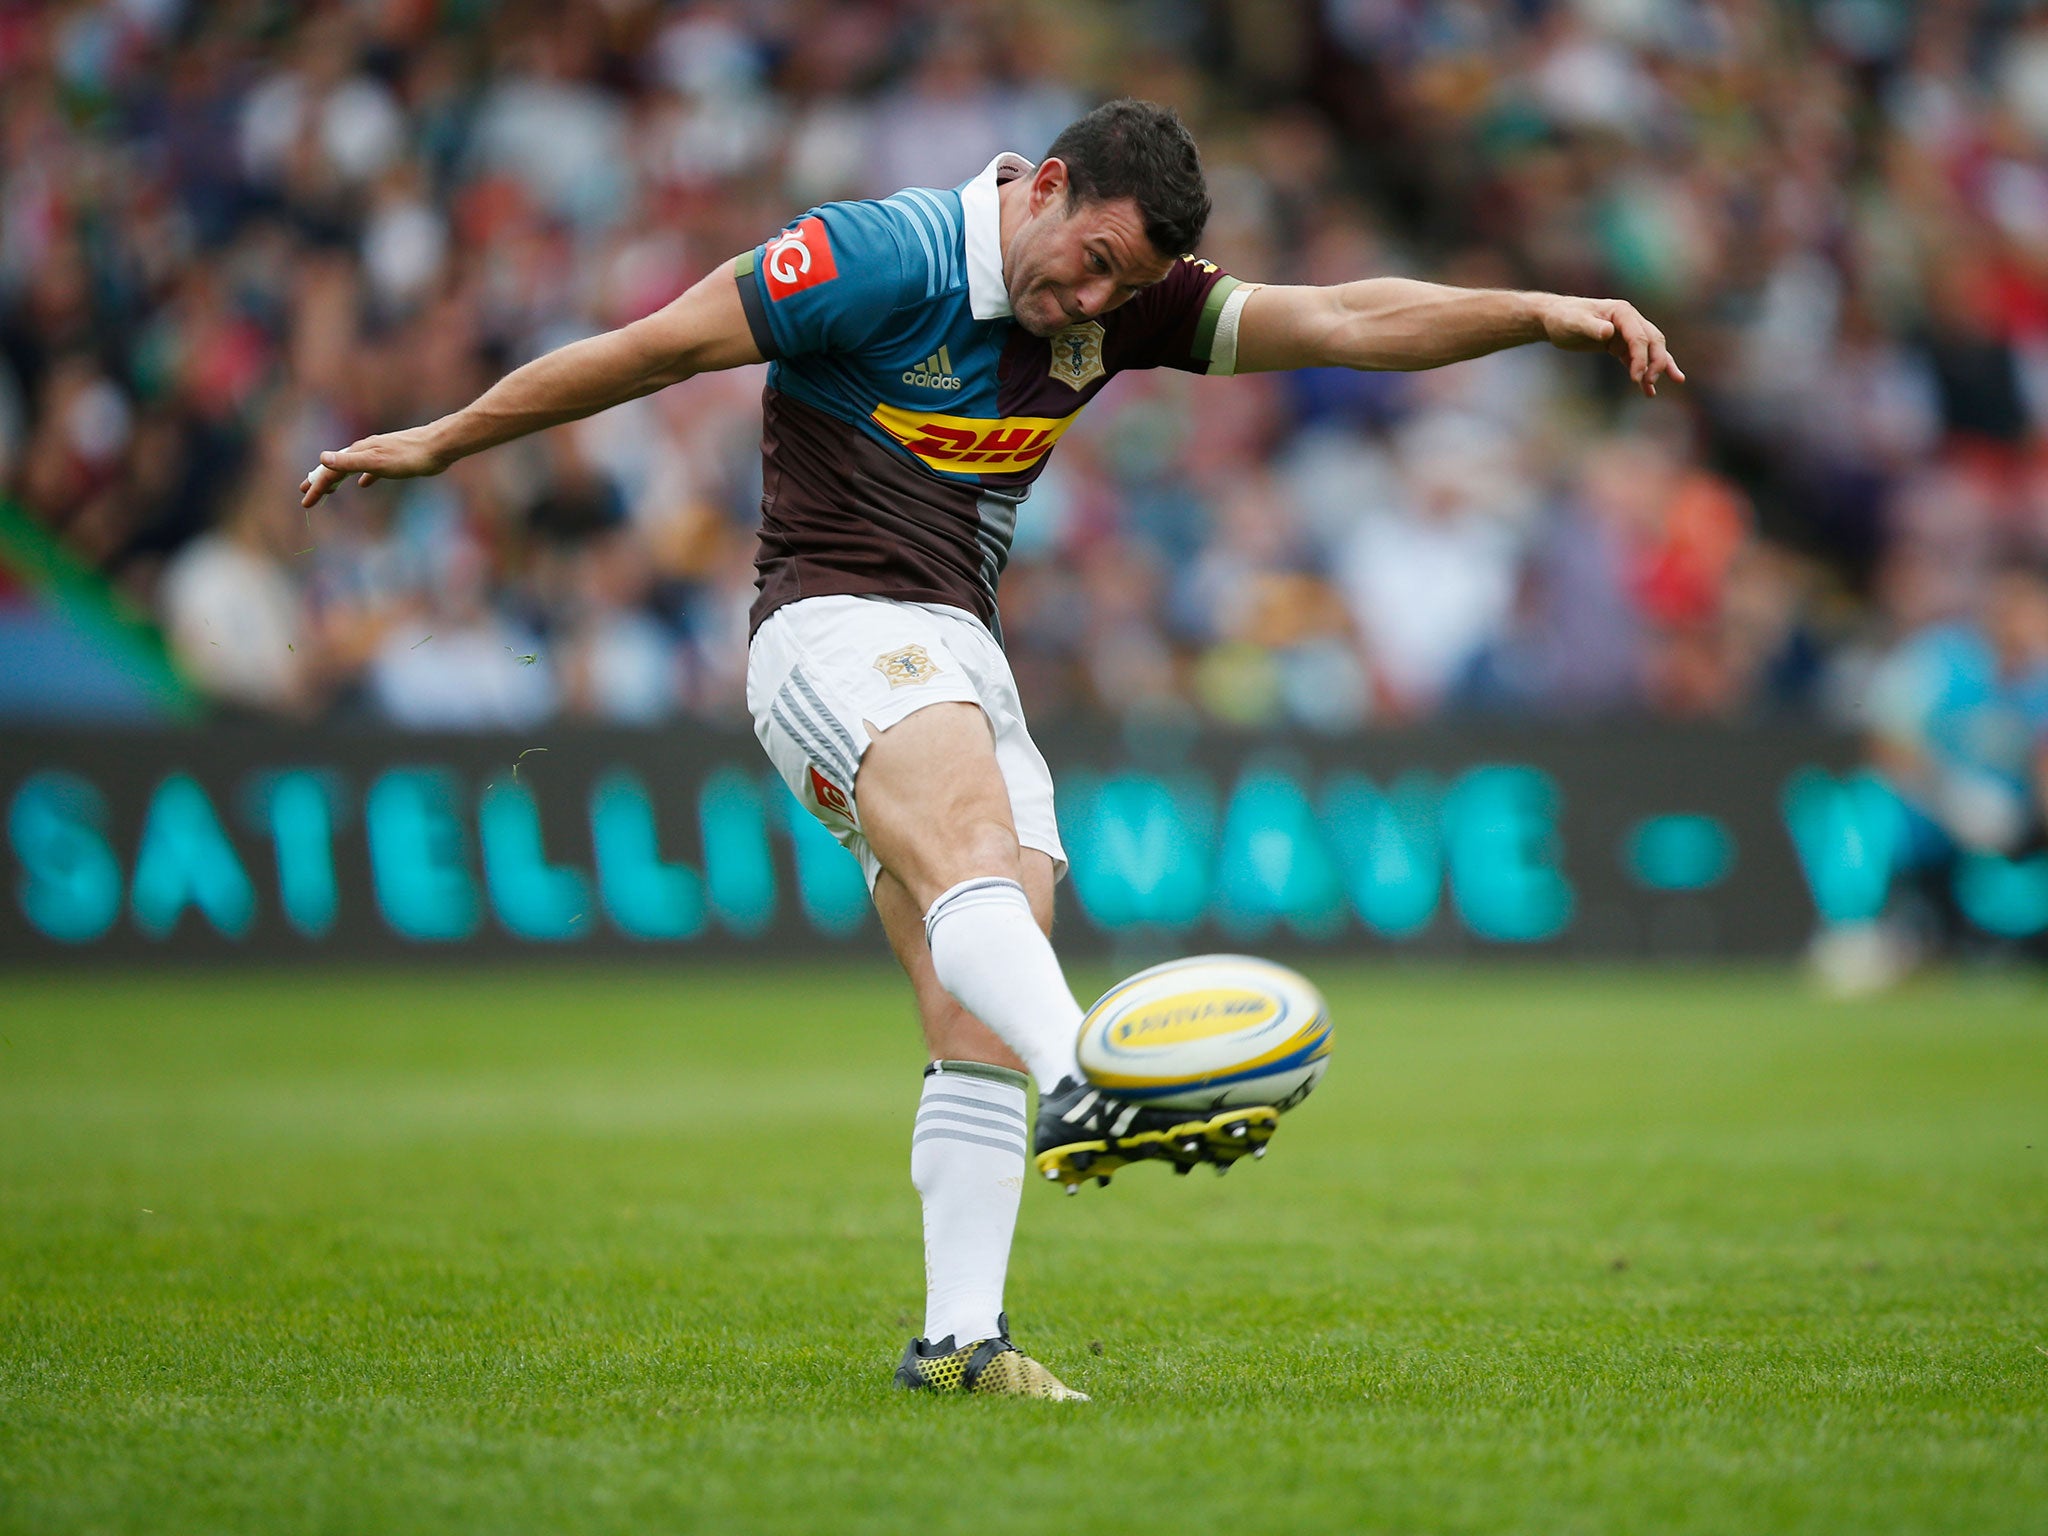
212, 844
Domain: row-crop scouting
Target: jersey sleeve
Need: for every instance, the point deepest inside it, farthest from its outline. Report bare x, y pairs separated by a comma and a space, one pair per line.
1186, 320
828, 282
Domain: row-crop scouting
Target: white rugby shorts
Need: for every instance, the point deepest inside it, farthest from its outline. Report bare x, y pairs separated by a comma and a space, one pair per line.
822, 669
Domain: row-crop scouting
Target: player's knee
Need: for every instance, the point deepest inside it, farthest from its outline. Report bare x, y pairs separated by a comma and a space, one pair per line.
988, 846
944, 854
1040, 878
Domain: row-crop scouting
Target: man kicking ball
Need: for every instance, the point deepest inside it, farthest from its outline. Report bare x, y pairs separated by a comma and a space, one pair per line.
928, 350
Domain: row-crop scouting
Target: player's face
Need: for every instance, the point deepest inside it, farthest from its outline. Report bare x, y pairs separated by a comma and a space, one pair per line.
1072, 261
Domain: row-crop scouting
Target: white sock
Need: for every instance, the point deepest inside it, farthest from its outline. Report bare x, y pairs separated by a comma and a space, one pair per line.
989, 953
967, 1161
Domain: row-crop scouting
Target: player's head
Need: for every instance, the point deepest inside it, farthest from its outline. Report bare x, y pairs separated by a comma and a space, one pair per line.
1118, 198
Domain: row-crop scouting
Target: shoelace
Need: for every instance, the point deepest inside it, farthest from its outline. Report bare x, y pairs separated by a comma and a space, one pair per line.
984, 1352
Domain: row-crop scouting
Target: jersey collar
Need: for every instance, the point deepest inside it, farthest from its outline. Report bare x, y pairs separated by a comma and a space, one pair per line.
988, 296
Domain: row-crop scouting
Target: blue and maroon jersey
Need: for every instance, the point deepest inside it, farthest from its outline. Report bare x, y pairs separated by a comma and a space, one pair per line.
906, 413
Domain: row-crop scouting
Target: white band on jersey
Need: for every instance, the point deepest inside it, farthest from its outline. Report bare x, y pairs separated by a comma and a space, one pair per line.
1223, 350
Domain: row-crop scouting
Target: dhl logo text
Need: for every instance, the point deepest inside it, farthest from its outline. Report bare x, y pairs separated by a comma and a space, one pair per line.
973, 443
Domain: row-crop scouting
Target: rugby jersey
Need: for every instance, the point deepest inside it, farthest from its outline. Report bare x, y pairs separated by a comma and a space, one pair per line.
907, 413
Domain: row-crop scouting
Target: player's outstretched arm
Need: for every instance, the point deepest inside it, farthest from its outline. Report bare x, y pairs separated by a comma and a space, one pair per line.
702, 331
1398, 323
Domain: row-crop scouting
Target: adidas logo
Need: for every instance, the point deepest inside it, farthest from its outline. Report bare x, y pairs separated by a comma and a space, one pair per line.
935, 372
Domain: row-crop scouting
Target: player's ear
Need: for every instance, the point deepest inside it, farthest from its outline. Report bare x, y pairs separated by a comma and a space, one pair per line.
1049, 185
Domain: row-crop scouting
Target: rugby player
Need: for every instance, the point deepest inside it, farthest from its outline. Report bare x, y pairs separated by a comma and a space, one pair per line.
927, 351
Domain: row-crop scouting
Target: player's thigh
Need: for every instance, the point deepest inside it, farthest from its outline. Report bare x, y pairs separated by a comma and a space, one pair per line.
951, 1033
933, 802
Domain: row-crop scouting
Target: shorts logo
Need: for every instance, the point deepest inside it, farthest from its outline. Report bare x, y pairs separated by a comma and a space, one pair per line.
907, 664
1077, 355
972, 444
831, 796
798, 258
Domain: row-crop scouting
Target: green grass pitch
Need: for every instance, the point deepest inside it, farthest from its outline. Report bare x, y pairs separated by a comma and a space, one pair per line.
635, 1251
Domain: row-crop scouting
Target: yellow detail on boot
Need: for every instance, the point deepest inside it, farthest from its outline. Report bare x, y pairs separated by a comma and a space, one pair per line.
1012, 1374
1009, 1374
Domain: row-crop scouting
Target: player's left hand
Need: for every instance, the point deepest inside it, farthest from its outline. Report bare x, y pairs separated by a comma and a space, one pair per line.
1615, 326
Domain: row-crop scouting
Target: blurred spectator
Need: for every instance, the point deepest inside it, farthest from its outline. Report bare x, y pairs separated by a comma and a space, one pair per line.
233, 613
1431, 576
1957, 722
1958, 717
457, 665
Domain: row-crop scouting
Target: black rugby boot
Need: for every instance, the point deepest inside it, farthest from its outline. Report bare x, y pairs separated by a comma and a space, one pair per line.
1084, 1133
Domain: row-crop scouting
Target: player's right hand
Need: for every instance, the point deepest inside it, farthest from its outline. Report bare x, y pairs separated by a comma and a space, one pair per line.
387, 456
1614, 326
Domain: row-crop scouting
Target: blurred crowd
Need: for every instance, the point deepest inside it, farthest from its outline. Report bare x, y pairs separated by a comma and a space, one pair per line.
235, 233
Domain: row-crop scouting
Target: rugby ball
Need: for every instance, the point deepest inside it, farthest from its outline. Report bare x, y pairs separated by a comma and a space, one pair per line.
1208, 1032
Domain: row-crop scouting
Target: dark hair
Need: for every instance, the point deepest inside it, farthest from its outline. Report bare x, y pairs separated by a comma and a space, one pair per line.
1143, 151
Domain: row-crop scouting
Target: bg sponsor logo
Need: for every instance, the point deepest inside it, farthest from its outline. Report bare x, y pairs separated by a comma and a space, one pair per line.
367, 843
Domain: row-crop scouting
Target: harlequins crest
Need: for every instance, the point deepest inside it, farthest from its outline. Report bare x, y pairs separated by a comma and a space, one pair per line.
1077, 354
907, 664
